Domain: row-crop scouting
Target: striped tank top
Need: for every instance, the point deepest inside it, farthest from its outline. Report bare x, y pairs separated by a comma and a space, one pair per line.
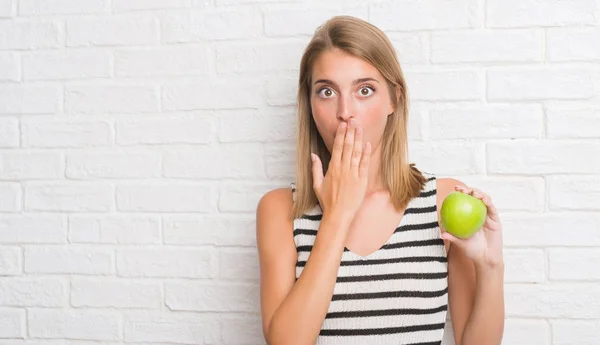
396, 295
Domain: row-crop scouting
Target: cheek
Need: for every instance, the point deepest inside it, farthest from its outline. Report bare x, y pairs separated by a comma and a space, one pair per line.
326, 123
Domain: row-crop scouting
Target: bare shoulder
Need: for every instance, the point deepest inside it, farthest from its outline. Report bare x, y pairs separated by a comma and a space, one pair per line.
277, 202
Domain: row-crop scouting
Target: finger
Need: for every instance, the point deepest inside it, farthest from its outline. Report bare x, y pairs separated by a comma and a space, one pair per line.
464, 189
487, 200
317, 171
338, 144
348, 144
358, 148
363, 169
461, 243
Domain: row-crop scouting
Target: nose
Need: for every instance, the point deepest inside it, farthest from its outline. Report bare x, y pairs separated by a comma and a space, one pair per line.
346, 109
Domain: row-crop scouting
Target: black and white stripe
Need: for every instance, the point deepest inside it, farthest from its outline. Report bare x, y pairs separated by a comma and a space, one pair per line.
396, 295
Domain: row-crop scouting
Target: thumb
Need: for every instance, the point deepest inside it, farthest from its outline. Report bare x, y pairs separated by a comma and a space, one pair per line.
317, 171
455, 240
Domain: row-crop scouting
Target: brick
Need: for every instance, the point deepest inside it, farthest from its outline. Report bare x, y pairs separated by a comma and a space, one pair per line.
280, 161
163, 197
212, 296
163, 61
227, 161
211, 24
23, 165
209, 230
20, 229
140, 5
69, 197
116, 30
542, 157
9, 132
445, 85
167, 327
120, 229
511, 193
34, 292
10, 197
167, 263
548, 229
524, 265
100, 99
539, 83
446, 157
55, 132
77, 64
575, 332
568, 44
241, 197
10, 67
115, 293
26, 35
255, 57
408, 15
240, 2
53, 7
487, 46
211, 95
10, 263
92, 164
521, 121
254, 125
75, 324
6, 8
527, 13
574, 193
69, 260
411, 48
242, 329
27, 99
574, 264
553, 301
239, 264
166, 130
572, 123
12, 323
282, 90
302, 20
525, 331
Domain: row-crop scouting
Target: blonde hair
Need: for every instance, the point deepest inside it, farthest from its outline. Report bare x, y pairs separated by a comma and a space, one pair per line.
361, 39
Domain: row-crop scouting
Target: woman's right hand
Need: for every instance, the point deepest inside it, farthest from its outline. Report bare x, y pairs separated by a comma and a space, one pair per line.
342, 190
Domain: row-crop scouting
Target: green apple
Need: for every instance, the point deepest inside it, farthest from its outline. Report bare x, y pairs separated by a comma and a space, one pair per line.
462, 215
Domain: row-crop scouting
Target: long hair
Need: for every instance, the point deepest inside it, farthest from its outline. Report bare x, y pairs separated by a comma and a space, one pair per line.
363, 40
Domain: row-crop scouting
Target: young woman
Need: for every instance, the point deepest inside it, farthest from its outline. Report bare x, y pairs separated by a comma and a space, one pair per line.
353, 252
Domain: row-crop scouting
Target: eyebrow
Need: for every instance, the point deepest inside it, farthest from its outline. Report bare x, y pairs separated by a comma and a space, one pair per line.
357, 81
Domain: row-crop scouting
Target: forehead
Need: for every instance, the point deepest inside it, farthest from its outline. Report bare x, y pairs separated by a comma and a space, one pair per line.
340, 66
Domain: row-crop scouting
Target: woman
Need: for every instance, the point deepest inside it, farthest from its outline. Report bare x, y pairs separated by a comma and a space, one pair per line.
353, 252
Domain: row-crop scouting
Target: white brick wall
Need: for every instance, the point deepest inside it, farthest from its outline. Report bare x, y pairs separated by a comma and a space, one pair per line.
136, 137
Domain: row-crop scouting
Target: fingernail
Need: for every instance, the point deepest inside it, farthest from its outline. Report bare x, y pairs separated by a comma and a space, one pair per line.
312, 156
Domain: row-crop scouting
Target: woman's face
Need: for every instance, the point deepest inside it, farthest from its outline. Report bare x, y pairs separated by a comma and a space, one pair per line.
345, 87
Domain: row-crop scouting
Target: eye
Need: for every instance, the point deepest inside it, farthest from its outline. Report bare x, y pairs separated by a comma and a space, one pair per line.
326, 92
366, 91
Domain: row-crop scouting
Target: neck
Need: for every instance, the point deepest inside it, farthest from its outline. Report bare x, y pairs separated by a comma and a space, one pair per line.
374, 183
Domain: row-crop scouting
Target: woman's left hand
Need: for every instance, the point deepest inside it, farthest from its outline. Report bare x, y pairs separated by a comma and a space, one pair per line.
484, 248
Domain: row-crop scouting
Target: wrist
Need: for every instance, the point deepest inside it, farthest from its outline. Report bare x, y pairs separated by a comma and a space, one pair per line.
489, 267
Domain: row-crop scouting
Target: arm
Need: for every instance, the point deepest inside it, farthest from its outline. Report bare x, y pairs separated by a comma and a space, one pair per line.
293, 311
475, 283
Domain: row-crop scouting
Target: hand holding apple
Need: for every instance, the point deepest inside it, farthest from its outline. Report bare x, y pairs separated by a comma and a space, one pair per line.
462, 215
484, 246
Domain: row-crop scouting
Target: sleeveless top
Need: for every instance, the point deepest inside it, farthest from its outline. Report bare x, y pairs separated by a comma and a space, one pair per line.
396, 295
